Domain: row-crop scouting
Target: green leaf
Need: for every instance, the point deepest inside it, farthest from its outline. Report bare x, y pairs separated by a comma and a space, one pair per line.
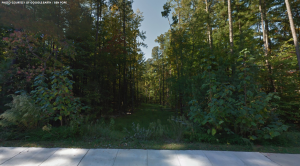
240, 59
284, 127
221, 122
213, 131
66, 89
208, 131
266, 136
253, 137
274, 133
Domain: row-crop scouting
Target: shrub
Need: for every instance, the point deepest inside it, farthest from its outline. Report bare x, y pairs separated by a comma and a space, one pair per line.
173, 130
177, 127
237, 107
58, 102
139, 133
157, 129
100, 129
287, 82
22, 113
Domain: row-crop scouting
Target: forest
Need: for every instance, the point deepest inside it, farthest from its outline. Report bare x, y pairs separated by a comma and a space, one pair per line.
224, 72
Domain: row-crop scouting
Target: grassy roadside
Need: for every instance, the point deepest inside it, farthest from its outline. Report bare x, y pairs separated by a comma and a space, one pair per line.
111, 135
158, 145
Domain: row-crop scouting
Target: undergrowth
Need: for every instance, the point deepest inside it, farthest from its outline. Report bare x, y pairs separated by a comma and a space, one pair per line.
177, 130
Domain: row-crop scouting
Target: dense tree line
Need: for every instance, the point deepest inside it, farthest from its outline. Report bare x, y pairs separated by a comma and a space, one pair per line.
100, 40
230, 66
220, 57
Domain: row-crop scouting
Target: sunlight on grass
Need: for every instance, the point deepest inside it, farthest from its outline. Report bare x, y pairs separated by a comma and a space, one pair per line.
174, 146
30, 145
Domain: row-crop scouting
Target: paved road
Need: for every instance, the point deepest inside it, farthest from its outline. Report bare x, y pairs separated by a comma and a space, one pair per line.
17, 156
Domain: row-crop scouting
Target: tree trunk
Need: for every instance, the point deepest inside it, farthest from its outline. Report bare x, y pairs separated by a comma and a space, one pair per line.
209, 33
262, 27
230, 27
231, 37
163, 79
293, 31
131, 80
241, 44
97, 27
266, 41
120, 92
160, 91
100, 15
124, 67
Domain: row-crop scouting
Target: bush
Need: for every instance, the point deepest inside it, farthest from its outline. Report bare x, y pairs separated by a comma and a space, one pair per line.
287, 79
59, 101
100, 129
157, 129
139, 133
23, 113
173, 130
177, 127
238, 106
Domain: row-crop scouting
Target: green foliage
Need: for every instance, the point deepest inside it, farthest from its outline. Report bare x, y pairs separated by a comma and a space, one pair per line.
99, 129
112, 124
200, 137
58, 101
289, 110
177, 127
6, 86
140, 133
157, 128
287, 82
239, 107
49, 133
174, 129
22, 113
89, 130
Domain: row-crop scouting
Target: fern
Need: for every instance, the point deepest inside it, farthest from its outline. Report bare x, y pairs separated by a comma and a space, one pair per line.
23, 112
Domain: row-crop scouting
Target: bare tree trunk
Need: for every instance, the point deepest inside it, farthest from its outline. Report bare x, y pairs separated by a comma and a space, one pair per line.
263, 28
124, 67
231, 38
241, 45
120, 93
293, 31
230, 27
97, 27
266, 41
160, 91
100, 17
209, 31
163, 79
149, 97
